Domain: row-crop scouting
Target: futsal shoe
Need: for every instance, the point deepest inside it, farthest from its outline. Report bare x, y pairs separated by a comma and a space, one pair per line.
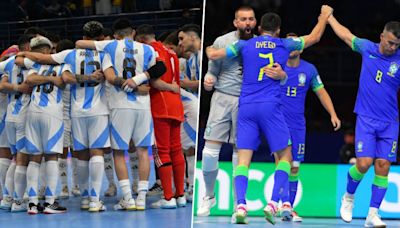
206, 205
6, 203
155, 190
286, 212
34, 209
19, 206
269, 212
125, 205
181, 201
296, 217
111, 191
64, 192
75, 191
241, 214
54, 208
96, 206
141, 201
346, 209
374, 220
85, 203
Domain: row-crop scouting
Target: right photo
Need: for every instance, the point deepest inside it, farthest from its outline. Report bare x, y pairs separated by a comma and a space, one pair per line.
299, 120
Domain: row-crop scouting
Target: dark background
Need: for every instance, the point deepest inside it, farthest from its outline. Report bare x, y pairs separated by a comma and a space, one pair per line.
338, 66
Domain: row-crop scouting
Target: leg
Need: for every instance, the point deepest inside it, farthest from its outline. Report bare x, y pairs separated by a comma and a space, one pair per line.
109, 170
178, 162
63, 170
32, 176
133, 162
5, 161
144, 172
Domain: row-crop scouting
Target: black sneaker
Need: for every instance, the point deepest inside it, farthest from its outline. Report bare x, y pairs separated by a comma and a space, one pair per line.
54, 208
155, 190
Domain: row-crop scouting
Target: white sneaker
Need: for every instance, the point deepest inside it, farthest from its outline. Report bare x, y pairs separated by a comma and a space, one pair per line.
374, 220
64, 192
181, 201
240, 214
206, 205
296, 217
270, 213
189, 194
165, 204
111, 191
75, 191
125, 205
19, 206
346, 209
286, 212
96, 206
141, 202
6, 203
85, 203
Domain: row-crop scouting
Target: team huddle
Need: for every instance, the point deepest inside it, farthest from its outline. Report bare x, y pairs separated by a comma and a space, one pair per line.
97, 98
260, 88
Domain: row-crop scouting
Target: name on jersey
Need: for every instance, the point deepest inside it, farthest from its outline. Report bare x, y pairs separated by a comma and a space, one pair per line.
88, 54
265, 44
130, 51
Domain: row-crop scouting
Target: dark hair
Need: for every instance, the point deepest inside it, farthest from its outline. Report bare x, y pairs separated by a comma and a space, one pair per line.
108, 32
163, 36
34, 31
270, 22
393, 27
144, 30
53, 37
191, 28
122, 23
243, 8
24, 39
64, 45
93, 29
172, 38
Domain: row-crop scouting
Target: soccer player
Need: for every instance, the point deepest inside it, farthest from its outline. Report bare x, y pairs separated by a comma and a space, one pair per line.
225, 76
189, 41
130, 60
44, 129
301, 76
167, 111
12, 83
89, 112
261, 95
377, 125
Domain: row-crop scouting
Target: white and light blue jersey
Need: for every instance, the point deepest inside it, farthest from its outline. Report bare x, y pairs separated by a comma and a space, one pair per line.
128, 58
89, 98
47, 98
17, 102
193, 68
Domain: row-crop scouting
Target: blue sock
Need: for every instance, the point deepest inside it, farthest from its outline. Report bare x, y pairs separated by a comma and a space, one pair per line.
241, 181
354, 178
379, 188
281, 179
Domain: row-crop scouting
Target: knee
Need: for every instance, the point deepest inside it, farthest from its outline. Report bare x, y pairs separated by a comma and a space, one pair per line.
363, 166
382, 165
294, 170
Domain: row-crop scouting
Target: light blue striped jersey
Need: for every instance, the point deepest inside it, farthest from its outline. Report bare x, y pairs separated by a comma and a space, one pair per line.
192, 68
17, 102
47, 98
87, 99
128, 58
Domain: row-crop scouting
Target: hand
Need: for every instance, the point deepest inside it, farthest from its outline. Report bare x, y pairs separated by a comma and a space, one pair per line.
209, 82
129, 85
275, 72
20, 54
98, 76
326, 11
175, 87
24, 88
143, 89
336, 123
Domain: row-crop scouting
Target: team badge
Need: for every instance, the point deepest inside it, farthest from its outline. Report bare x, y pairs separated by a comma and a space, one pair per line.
208, 130
359, 146
302, 79
394, 67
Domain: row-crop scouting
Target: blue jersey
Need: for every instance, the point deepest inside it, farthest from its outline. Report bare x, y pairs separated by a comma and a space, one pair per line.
128, 58
17, 102
257, 53
294, 92
379, 82
47, 98
88, 99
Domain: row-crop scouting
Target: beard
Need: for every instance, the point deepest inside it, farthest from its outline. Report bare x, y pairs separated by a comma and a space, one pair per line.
246, 33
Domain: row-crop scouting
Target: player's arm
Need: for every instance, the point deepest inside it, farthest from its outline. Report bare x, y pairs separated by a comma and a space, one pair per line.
153, 73
326, 101
164, 86
112, 78
85, 44
342, 32
34, 79
216, 53
6, 87
19, 61
319, 28
275, 72
190, 84
38, 57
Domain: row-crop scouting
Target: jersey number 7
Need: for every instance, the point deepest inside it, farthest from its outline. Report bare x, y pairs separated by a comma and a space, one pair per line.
268, 56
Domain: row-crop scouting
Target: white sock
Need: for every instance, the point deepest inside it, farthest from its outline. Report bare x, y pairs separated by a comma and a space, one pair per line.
234, 164
210, 166
134, 164
74, 178
32, 181
4, 164
190, 167
63, 170
19, 182
42, 173
51, 181
143, 187
125, 186
83, 177
96, 169
9, 181
372, 210
109, 168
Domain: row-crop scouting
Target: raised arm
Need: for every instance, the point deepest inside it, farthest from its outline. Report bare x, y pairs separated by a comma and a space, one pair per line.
326, 101
38, 57
85, 44
319, 28
342, 32
215, 53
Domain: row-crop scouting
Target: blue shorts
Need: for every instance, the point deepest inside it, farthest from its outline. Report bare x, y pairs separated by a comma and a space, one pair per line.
298, 137
376, 139
266, 118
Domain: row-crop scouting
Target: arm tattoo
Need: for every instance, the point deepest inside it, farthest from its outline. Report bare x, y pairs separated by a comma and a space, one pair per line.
119, 81
82, 78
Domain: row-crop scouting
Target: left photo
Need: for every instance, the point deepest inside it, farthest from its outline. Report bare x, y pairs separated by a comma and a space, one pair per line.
99, 108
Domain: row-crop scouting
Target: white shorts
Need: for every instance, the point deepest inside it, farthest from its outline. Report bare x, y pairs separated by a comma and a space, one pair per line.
135, 124
67, 134
90, 132
44, 134
16, 136
189, 125
3, 133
